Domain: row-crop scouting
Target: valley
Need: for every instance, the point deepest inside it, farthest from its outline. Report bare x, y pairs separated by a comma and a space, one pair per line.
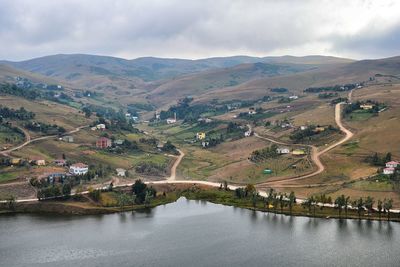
281, 123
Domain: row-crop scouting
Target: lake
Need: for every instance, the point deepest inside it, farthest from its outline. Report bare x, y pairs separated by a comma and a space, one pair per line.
195, 233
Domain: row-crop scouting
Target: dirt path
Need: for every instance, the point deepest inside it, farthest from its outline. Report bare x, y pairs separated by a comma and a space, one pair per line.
172, 177
315, 154
28, 139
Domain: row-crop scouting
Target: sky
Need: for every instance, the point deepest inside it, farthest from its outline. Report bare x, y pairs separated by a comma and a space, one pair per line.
357, 29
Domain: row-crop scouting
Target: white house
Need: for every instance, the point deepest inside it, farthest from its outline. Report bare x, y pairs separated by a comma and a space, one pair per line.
120, 172
303, 127
392, 164
283, 150
252, 111
388, 171
293, 97
101, 126
247, 133
172, 120
78, 169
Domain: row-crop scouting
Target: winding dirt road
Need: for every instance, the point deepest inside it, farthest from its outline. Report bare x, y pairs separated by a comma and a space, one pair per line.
28, 139
315, 154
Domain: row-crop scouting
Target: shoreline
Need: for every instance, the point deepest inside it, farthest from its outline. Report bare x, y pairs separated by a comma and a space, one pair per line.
191, 192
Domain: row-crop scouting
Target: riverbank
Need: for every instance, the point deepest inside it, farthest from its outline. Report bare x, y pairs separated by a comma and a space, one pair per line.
168, 193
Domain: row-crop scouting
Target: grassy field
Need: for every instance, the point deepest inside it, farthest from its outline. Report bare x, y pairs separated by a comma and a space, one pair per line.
9, 137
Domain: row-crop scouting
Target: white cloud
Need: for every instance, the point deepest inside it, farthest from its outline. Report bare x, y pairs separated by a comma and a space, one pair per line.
202, 28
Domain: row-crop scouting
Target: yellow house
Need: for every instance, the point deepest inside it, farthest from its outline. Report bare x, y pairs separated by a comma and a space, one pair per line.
298, 152
200, 135
15, 161
319, 129
366, 106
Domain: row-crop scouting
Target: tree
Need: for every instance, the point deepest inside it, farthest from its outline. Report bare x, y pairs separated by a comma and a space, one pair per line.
346, 205
148, 198
123, 200
282, 201
388, 157
11, 203
269, 198
254, 199
369, 203
275, 202
387, 206
226, 186
291, 201
139, 190
380, 207
360, 207
339, 202
249, 189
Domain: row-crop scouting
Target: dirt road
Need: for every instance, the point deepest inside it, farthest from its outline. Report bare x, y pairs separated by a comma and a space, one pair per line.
172, 177
28, 139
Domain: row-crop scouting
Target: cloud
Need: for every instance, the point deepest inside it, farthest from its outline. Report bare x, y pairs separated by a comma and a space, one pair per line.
202, 28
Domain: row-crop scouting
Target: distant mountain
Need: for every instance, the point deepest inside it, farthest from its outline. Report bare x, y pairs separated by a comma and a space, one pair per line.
76, 67
9, 74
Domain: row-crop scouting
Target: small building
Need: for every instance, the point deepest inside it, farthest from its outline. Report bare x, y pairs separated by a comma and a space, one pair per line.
248, 133
101, 126
392, 164
15, 161
57, 177
103, 142
252, 111
204, 120
119, 141
200, 135
68, 138
160, 145
39, 162
267, 171
318, 129
78, 169
283, 150
388, 171
298, 152
172, 120
293, 97
303, 127
120, 172
366, 106
205, 144
60, 162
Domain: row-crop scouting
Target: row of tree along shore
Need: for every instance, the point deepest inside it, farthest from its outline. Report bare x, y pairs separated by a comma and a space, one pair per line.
140, 195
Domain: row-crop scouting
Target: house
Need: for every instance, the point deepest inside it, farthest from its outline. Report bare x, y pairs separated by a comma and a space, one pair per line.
57, 177
248, 133
392, 164
68, 139
101, 126
78, 169
388, 171
119, 141
205, 144
172, 120
60, 162
200, 135
39, 162
103, 142
303, 127
204, 120
15, 161
283, 150
252, 111
298, 152
267, 171
160, 146
318, 129
293, 97
120, 172
366, 106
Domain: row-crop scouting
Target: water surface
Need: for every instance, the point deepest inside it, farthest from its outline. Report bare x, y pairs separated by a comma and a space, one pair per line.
193, 233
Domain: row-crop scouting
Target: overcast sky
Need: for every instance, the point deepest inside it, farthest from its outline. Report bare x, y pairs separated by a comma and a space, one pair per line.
197, 29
